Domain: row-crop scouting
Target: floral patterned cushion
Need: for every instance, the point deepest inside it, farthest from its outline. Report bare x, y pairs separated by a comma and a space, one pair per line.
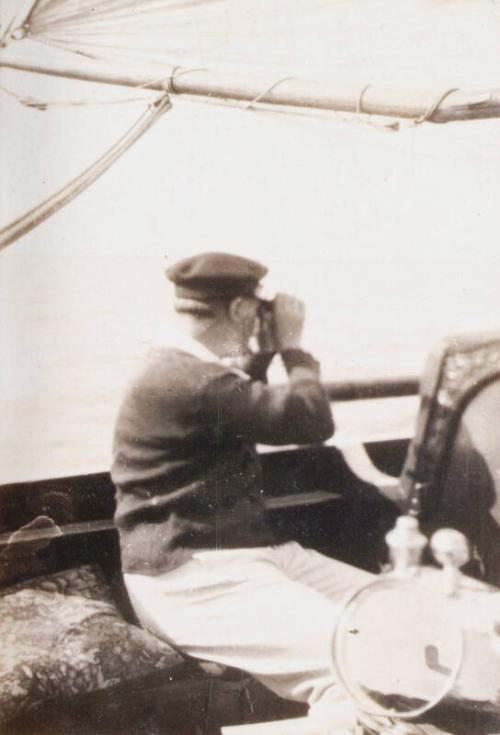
61, 635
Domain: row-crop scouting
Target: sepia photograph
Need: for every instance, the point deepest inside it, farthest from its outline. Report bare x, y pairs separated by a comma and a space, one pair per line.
250, 367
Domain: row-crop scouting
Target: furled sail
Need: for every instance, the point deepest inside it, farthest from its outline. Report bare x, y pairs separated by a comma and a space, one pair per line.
377, 56
426, 60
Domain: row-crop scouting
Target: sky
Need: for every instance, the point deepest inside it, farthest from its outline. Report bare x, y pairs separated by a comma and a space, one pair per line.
253, 181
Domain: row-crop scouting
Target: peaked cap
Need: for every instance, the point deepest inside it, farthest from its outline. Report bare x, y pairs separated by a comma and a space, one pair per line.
215, 275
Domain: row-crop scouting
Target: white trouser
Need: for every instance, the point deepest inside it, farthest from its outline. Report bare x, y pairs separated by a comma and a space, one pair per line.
269, 611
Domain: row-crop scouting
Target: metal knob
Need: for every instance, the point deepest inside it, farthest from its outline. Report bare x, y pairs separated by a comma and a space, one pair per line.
406, 544
451, 550
19, 33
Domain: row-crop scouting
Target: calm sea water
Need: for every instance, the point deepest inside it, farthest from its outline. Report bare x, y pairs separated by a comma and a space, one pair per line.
74, 328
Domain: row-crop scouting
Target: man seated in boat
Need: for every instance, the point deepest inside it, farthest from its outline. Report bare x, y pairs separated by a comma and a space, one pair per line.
201, 565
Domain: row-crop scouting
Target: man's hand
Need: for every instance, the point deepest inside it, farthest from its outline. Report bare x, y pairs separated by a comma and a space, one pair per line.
289, 315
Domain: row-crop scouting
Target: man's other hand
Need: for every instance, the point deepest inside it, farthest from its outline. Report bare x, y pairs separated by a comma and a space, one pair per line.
289, 315
265, 332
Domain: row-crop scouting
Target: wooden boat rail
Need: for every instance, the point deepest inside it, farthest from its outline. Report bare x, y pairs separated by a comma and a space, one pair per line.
82, 506
357, 390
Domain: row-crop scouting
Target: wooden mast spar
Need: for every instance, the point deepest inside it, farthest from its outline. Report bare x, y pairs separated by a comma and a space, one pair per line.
445, 105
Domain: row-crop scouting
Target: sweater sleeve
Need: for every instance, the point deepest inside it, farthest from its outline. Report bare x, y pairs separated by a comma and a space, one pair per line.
295, 413
255, 364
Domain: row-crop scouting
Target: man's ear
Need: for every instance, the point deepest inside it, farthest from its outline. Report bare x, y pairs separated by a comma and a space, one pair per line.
239, 309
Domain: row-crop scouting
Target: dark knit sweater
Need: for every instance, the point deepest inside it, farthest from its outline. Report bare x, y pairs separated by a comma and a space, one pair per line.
185, 468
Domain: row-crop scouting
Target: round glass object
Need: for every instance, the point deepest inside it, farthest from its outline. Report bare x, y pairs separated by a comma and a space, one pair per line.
395, 650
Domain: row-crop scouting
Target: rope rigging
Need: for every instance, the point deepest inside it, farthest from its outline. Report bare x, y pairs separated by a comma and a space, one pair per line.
50, 206
28, 101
